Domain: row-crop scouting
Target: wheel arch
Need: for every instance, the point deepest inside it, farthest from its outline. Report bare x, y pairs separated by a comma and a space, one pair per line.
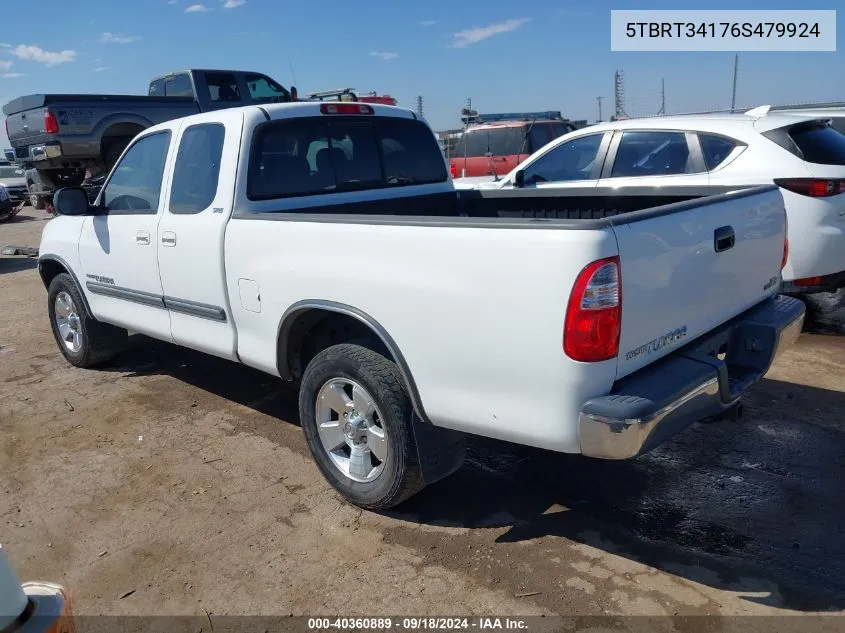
316, 309
50, 266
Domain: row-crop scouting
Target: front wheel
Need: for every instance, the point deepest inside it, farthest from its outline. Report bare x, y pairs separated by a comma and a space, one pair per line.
82, 339
37, 202
357, 419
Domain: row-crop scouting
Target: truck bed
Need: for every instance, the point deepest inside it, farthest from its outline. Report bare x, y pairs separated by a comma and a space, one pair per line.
30, 102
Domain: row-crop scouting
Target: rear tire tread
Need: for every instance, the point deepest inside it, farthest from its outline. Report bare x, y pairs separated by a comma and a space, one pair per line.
382, 378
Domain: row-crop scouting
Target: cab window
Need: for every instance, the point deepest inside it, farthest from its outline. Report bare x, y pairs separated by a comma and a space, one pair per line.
135, 184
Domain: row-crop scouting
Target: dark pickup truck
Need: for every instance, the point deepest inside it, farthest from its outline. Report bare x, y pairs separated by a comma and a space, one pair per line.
62, 139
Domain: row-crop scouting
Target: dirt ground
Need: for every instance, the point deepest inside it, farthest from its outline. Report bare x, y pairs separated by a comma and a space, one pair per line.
186, 481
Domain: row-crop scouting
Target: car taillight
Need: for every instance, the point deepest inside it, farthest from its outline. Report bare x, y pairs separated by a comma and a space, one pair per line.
346, 108
785, 252
785, 241
594, 314
813, 187
51, 125
808, 281
453, 169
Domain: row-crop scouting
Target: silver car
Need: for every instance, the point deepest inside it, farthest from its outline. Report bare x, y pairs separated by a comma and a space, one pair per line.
12, 178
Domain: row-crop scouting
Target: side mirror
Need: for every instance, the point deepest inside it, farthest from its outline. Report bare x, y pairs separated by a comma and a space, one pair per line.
71, 201
519, 179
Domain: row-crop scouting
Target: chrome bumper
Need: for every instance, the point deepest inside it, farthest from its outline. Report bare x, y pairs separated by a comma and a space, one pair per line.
653, 404
39, 153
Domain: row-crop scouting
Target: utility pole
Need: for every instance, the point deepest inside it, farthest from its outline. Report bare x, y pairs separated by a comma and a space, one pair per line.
662, 97
736, 71
599, 100
619, 94
420, 106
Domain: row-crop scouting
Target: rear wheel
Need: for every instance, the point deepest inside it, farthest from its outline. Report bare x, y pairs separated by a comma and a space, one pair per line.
357, 419
82, 339
36, 202
113, 150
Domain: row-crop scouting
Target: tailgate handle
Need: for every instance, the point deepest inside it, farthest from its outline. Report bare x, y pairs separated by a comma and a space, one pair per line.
724, 238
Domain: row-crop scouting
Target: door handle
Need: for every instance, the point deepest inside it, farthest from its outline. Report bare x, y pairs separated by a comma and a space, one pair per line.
142, 237
724, 238
168, 238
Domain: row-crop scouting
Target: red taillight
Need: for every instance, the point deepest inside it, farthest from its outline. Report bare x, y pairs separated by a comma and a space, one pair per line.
813, 187
453, 169
785, 252
346, 108
808, 281
785, 241
51, 125
594, 314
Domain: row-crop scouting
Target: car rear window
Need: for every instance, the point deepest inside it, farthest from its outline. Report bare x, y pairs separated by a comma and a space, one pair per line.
314, 156
819, 143
543, 133
715, 149
499, 141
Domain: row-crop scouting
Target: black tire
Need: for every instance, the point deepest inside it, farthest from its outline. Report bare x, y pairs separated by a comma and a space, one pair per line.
37, 202
100, 342
401, 477
113, 150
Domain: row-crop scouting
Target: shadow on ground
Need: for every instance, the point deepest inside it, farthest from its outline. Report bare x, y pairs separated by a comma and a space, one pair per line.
20, 218
16, 264
225, 379
723, 504
825, 313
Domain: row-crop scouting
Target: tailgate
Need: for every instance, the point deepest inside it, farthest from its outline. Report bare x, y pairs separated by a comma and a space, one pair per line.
27, 127
683, 275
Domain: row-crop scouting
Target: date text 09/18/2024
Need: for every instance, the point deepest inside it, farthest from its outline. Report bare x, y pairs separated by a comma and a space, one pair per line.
417, 623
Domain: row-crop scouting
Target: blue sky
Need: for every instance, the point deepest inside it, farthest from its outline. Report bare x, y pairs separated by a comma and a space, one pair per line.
506, 55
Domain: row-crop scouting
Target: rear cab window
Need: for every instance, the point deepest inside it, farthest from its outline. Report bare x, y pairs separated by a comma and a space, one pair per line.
222, 87
498, 141
178, 85
314, 156
542, 133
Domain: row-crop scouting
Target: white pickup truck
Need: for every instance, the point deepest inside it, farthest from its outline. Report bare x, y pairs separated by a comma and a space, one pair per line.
325, 244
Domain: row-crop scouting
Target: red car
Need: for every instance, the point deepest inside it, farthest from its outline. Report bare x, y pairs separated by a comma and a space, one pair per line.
498, 143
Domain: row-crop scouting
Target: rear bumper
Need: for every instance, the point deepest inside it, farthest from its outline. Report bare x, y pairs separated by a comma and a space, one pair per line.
825, 283
44, 151
693, 384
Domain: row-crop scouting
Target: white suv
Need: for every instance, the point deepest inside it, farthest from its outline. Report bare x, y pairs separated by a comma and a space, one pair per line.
675, 158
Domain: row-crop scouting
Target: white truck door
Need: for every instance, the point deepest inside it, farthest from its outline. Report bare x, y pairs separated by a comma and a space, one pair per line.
191, 233
117, 248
